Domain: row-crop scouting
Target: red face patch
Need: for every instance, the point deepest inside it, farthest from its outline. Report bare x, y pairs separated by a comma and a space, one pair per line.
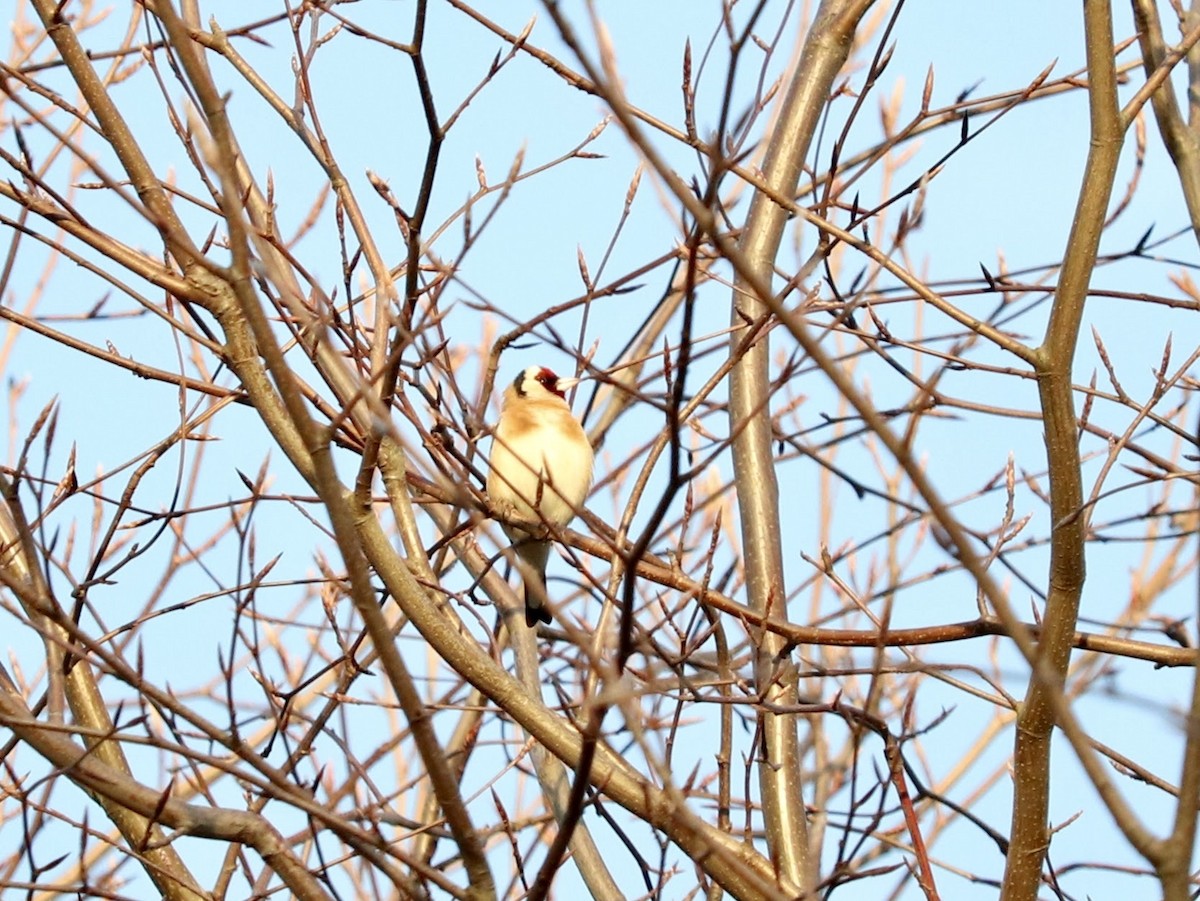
549, 380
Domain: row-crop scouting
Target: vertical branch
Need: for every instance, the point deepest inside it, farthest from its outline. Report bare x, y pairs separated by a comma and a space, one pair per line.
1182, 143
825, 51
1174, 860
1052, 362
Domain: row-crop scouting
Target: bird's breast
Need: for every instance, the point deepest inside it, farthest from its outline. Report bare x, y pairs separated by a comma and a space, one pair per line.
544, 461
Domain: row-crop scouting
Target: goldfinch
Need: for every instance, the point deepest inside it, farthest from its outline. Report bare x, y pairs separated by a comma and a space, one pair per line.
540, 468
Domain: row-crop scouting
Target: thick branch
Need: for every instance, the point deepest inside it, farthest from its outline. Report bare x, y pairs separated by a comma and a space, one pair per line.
1052, 361
825, 52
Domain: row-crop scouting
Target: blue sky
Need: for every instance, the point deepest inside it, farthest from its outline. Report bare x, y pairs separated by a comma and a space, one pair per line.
1005, 200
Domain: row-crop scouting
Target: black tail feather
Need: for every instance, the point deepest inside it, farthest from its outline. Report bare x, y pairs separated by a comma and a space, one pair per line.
535, 615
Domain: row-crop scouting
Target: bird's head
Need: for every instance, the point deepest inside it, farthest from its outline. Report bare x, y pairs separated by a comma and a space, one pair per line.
536, 381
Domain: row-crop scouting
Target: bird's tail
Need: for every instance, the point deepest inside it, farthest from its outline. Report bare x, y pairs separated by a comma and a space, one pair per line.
536, 554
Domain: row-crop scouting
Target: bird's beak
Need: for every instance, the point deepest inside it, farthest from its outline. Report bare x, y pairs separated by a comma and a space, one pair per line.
567, 384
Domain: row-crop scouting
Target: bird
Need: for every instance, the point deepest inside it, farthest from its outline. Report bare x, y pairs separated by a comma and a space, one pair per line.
540, 467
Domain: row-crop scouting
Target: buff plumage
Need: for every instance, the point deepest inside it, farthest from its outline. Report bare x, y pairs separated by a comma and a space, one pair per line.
541, 468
